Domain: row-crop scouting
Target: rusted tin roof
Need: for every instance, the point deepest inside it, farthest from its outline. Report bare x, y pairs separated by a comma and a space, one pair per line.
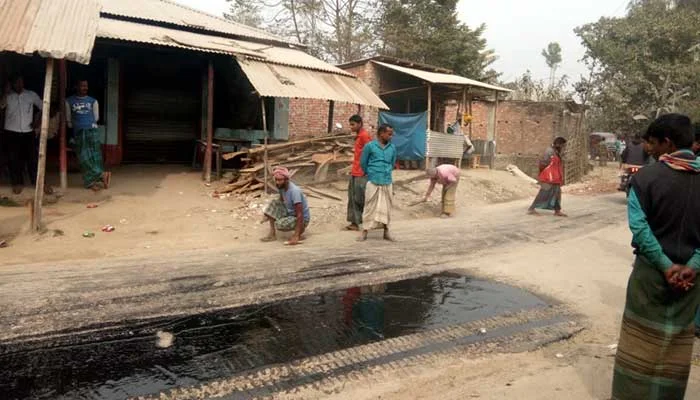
170, 12
271, 80
441, 78
52, 28
171, 37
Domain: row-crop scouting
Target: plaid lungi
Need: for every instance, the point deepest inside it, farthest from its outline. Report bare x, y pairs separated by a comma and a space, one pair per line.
656, 340
88, 148
283, 221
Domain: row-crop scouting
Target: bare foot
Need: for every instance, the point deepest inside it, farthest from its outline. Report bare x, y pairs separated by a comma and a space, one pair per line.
269, 238
106, 179
388, 237
445, 215
352, 227
533, 212
363, 236
560, 214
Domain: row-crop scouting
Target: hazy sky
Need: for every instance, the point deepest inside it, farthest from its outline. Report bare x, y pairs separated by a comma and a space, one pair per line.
518, 30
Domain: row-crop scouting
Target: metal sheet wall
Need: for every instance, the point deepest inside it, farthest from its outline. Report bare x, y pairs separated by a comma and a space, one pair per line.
162, 112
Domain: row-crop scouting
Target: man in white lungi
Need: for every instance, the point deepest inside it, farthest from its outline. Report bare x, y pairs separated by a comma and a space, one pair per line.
378, 161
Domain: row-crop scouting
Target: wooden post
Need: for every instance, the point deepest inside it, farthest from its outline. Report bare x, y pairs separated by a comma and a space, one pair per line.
63, 148
469, 108
210, 122
427, 132
41, 168
495, 126
331, 110
264, 122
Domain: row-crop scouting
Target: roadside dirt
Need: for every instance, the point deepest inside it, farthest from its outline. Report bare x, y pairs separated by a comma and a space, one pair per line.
158, 210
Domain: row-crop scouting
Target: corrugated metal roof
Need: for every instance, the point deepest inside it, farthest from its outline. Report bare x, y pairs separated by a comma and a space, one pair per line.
444, 145
173, 13
440, 78
271, 80
151, 34
52, 28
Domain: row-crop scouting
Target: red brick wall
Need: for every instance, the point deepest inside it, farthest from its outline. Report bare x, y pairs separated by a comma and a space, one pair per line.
522, 127
309, 117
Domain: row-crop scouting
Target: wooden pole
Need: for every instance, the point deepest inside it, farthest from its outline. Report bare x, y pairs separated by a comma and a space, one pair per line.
463, 106
495, 126
331, 110
41, 168
264, 122
210, 122
427, 133
469, 108
63, 148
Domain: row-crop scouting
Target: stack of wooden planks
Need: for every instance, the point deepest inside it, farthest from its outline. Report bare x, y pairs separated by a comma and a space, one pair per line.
314, 155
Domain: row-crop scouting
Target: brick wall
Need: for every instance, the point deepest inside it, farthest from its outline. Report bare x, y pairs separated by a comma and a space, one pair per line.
523, 127
309, 117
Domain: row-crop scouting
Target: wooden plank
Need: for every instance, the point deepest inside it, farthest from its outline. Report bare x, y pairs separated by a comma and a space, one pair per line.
324, 194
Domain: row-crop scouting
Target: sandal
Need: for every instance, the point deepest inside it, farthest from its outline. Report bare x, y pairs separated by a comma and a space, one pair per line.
268, 239
351, 227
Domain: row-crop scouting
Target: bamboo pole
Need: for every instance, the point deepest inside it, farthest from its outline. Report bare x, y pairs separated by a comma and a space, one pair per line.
41, 168
63, 148
427, 133
495, 126
264, 122
210, 122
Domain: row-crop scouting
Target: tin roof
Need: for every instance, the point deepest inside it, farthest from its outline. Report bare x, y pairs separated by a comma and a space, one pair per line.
170, 12
271, 80
171, 37
52, 28
441, 78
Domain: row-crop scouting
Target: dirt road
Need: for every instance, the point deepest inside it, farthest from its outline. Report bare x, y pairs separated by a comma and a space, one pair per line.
582, 261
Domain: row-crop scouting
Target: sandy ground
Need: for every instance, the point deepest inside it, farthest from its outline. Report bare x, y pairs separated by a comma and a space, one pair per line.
584, 261
161, 209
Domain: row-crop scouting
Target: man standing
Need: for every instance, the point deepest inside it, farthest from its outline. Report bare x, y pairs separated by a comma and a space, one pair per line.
288, 213
656, 340
378, 161
358, 180
82, 114
446, 175
551, 179
19, 137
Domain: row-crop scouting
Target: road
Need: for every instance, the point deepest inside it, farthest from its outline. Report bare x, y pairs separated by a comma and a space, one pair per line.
581, 262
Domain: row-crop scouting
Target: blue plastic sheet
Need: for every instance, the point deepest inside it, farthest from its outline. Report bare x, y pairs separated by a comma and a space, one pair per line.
409, 133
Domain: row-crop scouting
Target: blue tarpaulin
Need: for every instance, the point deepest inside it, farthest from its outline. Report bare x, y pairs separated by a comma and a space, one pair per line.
409, 133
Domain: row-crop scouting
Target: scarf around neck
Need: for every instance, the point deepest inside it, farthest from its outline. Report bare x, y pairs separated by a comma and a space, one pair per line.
683, 160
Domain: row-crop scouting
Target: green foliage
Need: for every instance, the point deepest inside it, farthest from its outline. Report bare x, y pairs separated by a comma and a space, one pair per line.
338, 31
552, 55
428, 31
645, 63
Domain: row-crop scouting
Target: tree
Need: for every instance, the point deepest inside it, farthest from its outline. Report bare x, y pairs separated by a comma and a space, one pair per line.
643, 63
428, 31
244, 12
552, 56
527, 88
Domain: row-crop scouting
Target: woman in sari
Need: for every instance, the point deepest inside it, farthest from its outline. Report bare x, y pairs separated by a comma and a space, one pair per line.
551, 179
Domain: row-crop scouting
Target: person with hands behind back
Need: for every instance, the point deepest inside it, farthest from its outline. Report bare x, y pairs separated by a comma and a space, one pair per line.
656, 340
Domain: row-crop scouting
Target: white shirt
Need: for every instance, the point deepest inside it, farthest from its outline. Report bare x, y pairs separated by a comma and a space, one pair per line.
20, 111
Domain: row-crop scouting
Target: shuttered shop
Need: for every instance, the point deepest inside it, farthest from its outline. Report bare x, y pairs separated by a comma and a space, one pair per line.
163, 108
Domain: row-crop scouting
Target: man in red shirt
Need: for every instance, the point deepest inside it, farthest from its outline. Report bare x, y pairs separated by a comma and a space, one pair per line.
358, 180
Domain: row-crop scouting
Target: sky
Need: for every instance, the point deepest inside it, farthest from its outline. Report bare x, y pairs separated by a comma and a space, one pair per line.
517, 30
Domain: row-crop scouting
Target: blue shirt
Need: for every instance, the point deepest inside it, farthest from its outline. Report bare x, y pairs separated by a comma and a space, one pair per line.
378, 162
293, 195
82, 112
